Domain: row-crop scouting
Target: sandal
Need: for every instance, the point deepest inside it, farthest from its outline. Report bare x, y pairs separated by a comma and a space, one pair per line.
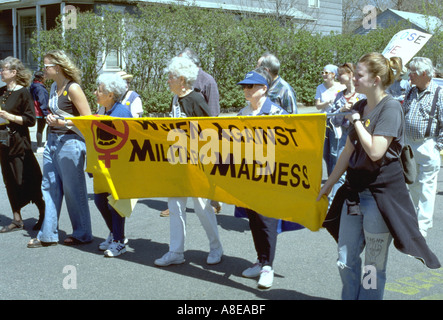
14, 226
217, 208
35, 243
164, 213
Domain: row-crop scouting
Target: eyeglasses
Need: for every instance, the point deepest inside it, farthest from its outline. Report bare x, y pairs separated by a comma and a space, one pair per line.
49, 65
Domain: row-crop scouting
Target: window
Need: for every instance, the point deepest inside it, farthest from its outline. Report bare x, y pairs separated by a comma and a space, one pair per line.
113, 61
314, 3
27, 25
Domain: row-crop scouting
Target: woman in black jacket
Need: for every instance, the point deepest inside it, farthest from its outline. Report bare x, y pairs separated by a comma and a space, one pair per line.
21, 172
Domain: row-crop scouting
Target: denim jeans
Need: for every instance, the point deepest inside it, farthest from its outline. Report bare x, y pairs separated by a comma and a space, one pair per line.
366, 231
424, 189
114, 221
64, 176
177, 216
333, 147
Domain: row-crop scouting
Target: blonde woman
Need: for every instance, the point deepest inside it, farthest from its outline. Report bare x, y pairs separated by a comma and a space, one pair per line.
64, 155
374, 205
21, 172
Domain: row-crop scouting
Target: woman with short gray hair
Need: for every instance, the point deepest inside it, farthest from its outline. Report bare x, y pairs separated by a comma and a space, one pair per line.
185, 69
110, 88
112, 83
188, 103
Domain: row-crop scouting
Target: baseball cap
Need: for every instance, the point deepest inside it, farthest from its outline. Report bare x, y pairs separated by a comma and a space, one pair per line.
331, 68
254, 78
125, 76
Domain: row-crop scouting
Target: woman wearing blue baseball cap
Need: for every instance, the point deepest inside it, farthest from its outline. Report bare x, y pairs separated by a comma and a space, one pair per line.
264, 229
255, 87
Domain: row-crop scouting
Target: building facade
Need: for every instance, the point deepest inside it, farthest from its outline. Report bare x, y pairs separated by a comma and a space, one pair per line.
19, 19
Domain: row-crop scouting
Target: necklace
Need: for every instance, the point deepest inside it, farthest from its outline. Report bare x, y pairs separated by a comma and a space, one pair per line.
60, 91
5, 96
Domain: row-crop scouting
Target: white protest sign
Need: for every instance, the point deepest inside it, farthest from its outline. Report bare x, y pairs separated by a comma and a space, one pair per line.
405, 44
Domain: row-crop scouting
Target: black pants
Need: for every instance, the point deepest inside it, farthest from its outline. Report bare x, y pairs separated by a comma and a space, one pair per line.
41, 123
264, 234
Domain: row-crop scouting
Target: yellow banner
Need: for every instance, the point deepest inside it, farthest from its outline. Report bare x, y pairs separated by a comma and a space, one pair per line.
270, 164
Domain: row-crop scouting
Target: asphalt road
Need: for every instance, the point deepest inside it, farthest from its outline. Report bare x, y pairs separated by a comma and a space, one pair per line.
305, 263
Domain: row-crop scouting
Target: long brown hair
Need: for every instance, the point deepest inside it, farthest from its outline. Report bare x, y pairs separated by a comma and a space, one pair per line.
23, 75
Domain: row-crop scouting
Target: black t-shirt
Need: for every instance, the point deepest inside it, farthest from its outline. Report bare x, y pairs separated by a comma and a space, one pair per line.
194, 105
386, 119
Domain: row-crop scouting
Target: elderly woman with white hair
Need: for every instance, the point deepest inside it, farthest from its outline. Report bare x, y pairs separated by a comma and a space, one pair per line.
424, 132
110, 88
188, 103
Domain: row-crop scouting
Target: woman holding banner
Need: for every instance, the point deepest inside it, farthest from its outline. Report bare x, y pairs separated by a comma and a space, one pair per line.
110, 87
188, 103
264, 229
374, 204
64, 155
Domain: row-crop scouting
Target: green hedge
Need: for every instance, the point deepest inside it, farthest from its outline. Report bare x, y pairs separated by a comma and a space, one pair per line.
229, 46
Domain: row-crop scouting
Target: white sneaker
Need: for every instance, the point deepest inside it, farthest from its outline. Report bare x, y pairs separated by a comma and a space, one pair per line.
170, 258
214, 256
115, 249
252, 272
105, 244
266, 277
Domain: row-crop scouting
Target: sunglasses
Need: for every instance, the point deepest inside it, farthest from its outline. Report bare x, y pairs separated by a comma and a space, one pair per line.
49, 65
250, 85
325, 73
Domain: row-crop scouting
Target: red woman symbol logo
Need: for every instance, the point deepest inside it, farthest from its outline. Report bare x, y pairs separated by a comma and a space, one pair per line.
106, 138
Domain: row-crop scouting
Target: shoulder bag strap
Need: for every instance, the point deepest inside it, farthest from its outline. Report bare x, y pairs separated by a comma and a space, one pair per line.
431, 115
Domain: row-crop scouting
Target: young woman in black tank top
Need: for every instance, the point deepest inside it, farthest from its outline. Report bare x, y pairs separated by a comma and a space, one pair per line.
64, 155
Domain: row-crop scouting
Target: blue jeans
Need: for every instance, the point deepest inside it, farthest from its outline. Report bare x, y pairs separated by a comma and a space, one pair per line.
64, 176
332, 149
357, 232
114, 221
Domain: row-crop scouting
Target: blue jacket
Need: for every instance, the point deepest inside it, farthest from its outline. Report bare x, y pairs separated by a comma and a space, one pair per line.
40, 94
